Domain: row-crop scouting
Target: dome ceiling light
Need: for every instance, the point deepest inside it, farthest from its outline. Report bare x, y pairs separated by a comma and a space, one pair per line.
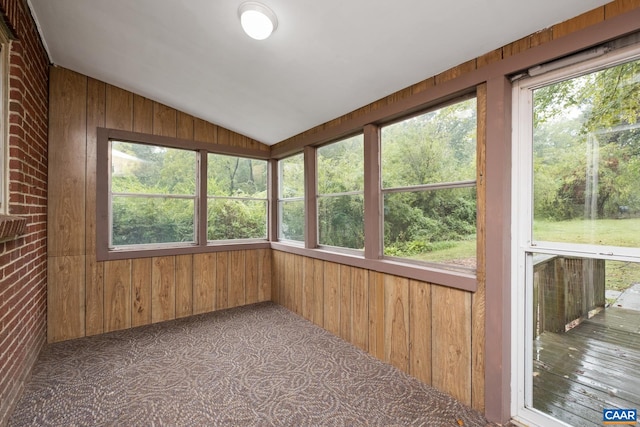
257, 20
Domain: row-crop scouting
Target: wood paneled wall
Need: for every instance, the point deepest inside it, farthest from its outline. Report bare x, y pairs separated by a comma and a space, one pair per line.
86, 297
423, 329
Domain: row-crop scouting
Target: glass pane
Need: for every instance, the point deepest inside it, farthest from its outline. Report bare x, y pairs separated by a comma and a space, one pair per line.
236, 176
291, 182
341, 221
291, 220
341, 166
236, 219
435, 226
586, 159
436, 147
149, 169
586, 337
146, 220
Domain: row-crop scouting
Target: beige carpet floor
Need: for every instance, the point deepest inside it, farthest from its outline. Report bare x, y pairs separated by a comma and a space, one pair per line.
258, 365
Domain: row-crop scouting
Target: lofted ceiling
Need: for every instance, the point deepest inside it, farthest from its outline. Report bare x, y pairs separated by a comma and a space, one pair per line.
325, 59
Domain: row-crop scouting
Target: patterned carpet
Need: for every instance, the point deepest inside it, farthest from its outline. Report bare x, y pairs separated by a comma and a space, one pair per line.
259, 365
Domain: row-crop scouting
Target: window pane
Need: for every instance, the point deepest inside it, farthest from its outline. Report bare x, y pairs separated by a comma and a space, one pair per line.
148, 169
436, 147
341, 221
291, 180
148, 220
236, 176
586, 159
291, 220
341, 166
436, 226
236, 219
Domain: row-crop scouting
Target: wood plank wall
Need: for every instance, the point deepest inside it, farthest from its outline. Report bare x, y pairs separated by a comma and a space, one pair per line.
86, 297
421, 328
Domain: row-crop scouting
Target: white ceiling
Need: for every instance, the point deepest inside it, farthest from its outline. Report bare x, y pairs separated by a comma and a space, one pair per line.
326, 58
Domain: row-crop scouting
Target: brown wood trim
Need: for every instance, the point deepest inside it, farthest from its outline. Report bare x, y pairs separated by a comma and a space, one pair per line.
372, 193
272, 205
498, 250
452, 279
195, 249
310, 197
182, 143
591, 36
201, 226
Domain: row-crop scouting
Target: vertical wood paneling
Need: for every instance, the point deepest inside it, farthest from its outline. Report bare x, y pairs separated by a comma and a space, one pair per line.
420, 330
288, 288
345, 302
164, 120
360, 308
184, 126
332, 297
307, 288
67, 159
141, 291
396, 322
298, 267
119, 114
616, 8
578, 23
94, 293
376, 314
204, 283
142, 114
265, 286
276, 273
65, 298
117, 295
163, 289
251, 276
184, 285
222, 280
205, 131
478, 298
318, 292
451, 342
236, 279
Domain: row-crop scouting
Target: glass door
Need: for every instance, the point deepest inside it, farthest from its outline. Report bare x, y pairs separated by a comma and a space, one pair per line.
576, 213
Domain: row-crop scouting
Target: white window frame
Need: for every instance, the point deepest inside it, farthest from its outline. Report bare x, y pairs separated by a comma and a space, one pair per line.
5, 48
522, 226
281, 200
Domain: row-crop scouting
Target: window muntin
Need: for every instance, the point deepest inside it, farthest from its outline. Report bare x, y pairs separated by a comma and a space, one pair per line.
586, 158
153, 194
291, 213
237, 198
340, 193
428, 172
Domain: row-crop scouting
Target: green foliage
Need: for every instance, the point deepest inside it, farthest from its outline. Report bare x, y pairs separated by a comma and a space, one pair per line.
587, 145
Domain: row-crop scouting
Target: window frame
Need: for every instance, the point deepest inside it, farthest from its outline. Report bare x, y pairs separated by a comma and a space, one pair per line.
372, 258
280, 200
104, 252
5, 49
317, 196
444, 185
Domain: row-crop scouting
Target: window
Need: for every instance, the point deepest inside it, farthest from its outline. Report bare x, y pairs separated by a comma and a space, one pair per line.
291, 198
237, 198
4, 119
153, 195
428, 171
576, 255
164, 196
340, 193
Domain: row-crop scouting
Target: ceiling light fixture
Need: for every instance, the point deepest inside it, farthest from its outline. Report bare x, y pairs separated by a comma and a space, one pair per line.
257, 20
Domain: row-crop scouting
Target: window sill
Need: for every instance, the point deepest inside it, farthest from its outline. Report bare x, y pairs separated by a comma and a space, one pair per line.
130, 253
438, 276
11, 227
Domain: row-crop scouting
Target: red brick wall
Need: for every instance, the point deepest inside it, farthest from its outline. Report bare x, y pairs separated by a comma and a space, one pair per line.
23, 262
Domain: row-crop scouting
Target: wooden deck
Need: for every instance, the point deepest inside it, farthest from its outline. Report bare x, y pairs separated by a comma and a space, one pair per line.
594, 366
